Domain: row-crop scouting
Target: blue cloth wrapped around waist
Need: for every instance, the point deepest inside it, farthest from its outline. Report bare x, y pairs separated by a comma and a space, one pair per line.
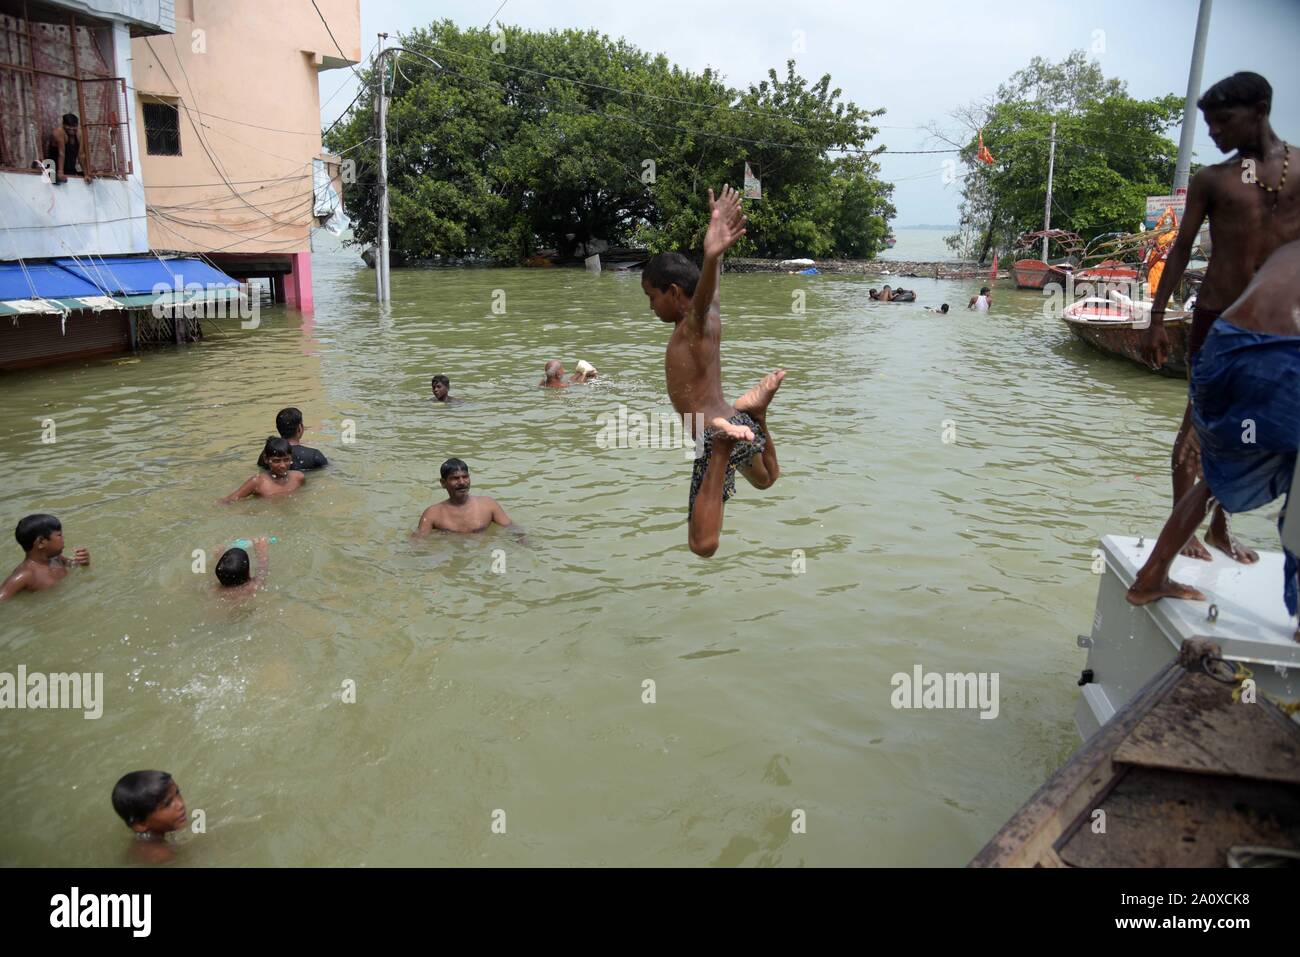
1246, 410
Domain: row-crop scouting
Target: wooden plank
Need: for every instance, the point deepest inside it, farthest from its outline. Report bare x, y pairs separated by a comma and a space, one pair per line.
1158, 818
1198, 728
1069, 795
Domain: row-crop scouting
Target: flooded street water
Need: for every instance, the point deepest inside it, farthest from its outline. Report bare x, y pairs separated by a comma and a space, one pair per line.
522, 691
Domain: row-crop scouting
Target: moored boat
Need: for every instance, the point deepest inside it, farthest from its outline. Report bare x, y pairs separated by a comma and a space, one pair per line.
1036, 274
1116, 326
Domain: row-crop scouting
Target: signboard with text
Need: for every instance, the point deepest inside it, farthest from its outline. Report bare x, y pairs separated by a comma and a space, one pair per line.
1156, 206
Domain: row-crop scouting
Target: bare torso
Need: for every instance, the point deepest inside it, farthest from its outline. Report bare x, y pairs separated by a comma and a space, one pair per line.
1245, 226
36, 576
693, 365
475, 515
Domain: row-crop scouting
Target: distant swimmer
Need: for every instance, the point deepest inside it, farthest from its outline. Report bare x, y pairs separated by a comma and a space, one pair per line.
942, 310
982, 302
442, 390
735, 437
554, 376
1246, 371
461, 512
288, 422
281, 479
41, 537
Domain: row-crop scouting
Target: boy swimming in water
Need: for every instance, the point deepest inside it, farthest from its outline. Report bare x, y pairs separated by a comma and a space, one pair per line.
283, 478
150, 804
234, 571
41, 537
735, 435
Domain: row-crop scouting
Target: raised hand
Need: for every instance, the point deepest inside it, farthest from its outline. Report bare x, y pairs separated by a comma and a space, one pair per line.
81, 556
726, 223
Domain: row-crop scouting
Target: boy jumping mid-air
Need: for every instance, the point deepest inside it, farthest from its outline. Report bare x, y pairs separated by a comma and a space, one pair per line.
735, 436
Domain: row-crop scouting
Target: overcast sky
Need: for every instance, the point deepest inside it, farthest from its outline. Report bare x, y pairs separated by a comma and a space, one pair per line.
918, 59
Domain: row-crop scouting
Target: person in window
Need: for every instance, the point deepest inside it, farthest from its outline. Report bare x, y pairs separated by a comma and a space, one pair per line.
63, 148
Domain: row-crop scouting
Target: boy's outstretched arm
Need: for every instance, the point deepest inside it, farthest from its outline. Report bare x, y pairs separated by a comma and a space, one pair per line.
726, 226
243, 491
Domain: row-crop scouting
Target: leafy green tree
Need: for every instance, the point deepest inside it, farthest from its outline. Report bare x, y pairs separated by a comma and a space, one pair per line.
1112, 152
491, 156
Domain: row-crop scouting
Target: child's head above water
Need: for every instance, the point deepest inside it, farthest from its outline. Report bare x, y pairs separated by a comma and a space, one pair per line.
233, 568
278, 455
149, 802
45, 529
669, 279
441, 385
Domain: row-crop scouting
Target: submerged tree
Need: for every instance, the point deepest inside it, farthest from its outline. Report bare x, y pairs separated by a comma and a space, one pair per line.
1112, 152
523, 140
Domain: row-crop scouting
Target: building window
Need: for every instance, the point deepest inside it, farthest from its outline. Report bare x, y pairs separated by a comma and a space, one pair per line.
162, 129
56, 68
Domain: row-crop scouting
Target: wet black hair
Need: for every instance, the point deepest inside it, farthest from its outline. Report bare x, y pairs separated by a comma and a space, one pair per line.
233, 568
440, 378
139, 794
70, 119
1240, 89
275, 445
671, 269
33, 527
452, 466
944, 307
287, 422
984, 290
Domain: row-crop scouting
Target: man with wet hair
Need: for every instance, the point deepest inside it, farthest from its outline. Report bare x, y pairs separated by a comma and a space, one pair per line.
553, 376
1254, 208
288, 422
461, 512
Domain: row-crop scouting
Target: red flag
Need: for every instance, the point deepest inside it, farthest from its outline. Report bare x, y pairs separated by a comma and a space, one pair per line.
993, 275
983, 154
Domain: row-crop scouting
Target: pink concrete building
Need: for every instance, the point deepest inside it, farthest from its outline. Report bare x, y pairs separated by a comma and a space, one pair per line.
228, 108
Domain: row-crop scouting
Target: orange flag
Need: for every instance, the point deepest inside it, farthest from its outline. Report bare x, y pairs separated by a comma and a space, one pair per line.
983, 154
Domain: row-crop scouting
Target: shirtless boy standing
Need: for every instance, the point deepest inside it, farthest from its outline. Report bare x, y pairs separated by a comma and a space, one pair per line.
41, 537
461, 512
1253, 208
735, 436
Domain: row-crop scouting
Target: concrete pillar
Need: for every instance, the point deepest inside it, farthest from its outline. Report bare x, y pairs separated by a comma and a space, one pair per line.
297, 283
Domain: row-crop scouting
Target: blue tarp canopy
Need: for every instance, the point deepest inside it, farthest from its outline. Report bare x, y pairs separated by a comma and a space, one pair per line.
99, 276
50, 281
138, 275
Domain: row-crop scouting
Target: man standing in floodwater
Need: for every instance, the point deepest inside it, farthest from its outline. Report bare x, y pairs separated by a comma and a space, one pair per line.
735, 436
1253, 210
461, 512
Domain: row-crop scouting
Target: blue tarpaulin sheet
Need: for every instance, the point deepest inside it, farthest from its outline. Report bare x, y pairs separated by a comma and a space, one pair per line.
50, 282
133, 276
100, 276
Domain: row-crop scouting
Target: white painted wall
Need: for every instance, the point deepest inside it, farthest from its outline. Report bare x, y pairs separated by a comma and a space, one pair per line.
158, 14
105, 217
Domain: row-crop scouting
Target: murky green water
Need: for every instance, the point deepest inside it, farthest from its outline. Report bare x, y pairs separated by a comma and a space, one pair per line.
522, 691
